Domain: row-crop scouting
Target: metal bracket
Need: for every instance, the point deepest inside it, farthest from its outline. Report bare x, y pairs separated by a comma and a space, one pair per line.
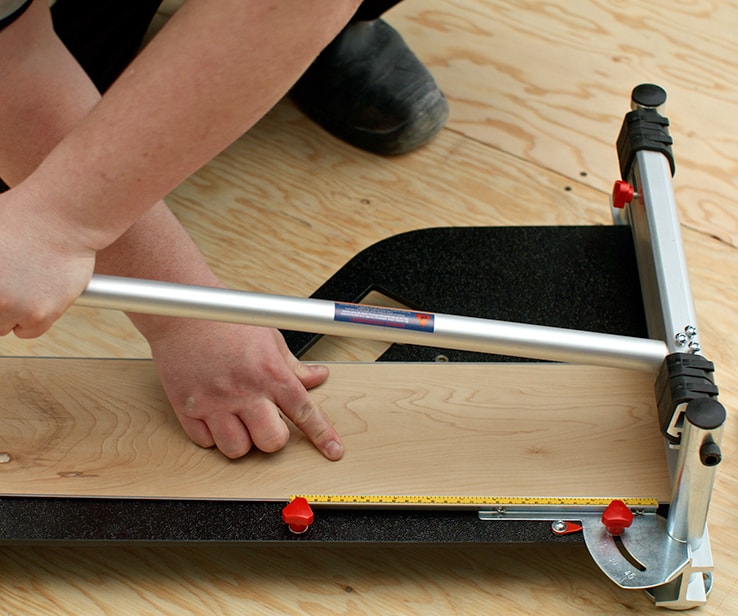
643, 557
692, 587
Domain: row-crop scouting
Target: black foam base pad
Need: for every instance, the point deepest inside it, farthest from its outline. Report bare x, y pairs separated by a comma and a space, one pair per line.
572, 277
39, 519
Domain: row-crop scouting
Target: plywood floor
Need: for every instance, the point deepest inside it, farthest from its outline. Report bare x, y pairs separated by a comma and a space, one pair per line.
537, 93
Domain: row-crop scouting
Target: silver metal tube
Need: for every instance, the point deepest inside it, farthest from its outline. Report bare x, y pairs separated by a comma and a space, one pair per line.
671, 316
699, 456
662, 263
377, 323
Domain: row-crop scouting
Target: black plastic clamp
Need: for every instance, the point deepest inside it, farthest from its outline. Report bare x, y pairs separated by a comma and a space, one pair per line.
644, 128
681, 379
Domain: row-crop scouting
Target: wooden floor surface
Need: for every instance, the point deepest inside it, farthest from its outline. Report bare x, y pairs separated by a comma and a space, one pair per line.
537, 93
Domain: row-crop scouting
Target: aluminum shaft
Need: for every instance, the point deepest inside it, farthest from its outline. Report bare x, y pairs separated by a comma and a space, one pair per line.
359, 321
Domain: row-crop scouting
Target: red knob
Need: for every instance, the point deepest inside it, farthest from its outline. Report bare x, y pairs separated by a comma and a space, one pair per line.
298, 515
617, 517
622, 193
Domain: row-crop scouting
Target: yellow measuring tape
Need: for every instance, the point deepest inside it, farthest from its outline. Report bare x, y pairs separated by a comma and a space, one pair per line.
498, 501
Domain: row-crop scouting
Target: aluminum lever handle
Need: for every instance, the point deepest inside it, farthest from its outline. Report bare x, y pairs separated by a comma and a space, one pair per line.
376, 323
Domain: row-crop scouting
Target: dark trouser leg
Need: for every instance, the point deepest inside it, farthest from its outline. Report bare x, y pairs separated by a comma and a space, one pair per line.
103, 35
373, 9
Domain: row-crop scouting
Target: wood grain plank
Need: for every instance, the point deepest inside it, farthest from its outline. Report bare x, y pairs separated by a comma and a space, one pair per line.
104, 428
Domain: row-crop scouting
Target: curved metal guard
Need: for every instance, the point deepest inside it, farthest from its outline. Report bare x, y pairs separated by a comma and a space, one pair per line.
644, 556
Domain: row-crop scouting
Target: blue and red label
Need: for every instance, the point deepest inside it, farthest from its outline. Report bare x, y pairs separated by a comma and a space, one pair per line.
385, 317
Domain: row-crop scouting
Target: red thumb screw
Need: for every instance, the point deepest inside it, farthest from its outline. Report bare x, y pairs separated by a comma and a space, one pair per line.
298, 515
617, 517
622, 193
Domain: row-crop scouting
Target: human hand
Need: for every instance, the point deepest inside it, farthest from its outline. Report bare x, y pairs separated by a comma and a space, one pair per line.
230, 384
45, 267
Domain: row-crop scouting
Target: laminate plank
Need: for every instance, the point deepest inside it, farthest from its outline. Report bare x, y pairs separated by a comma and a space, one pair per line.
103, 428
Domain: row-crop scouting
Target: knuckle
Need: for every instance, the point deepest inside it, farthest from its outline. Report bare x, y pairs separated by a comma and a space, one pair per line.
190, 408
305, 413
37, 319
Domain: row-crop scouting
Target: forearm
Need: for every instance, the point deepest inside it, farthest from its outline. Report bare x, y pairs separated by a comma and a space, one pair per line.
156, 247
208, 76
52, 95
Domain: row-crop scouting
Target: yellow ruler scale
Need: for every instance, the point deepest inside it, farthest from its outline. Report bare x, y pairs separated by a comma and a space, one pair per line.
499, 501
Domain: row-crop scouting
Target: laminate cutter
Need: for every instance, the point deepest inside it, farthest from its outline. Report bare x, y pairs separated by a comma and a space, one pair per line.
660, 547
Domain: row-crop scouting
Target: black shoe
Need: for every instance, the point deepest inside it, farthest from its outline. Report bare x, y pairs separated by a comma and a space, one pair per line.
370, 90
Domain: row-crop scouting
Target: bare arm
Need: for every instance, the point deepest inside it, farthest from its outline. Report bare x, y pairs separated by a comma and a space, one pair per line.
179, 104
208, 76
88, 191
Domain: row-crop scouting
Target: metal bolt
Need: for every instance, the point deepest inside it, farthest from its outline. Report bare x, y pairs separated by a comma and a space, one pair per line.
559, 526
691, 331
694, 346
441, 358
680, 339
